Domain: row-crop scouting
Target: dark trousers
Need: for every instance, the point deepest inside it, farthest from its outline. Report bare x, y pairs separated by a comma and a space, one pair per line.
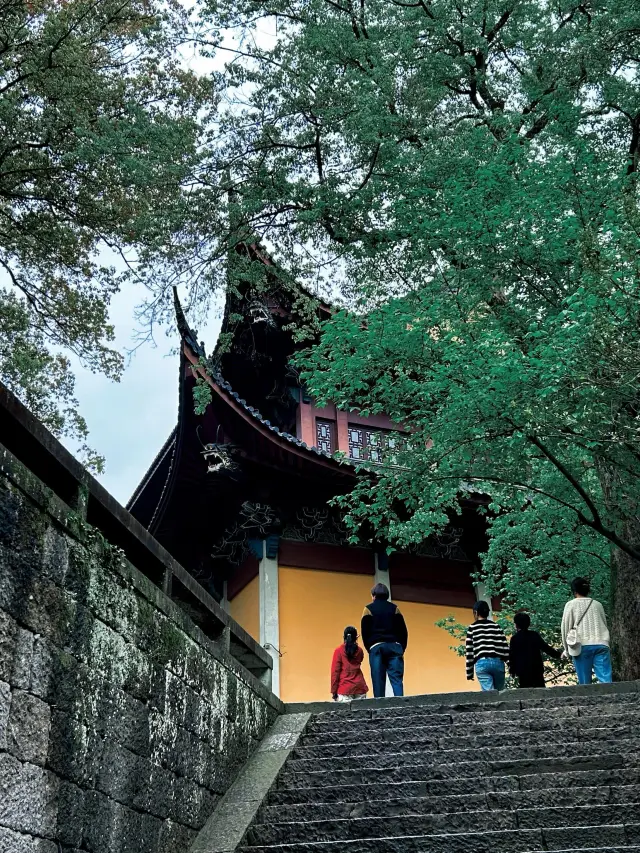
387, 659
528, 680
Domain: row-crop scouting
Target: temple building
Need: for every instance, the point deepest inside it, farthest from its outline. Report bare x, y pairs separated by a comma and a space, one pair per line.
239, 495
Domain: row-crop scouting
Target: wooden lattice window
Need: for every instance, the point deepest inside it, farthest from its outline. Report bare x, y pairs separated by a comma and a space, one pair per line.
325, 435
372, 445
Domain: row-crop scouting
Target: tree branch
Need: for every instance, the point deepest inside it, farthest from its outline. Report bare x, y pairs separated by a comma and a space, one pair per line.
566, 473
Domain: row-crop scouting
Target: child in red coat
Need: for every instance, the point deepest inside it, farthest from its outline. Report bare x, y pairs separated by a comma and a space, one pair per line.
347, 680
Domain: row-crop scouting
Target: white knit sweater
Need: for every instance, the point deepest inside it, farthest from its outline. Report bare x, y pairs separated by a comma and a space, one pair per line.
592, 631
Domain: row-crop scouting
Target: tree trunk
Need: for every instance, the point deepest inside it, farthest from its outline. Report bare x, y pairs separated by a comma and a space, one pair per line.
625, 582
625, 610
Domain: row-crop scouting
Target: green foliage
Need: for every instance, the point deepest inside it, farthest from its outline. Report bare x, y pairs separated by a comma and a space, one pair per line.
466, 173
201, 395
42, 379
97, 137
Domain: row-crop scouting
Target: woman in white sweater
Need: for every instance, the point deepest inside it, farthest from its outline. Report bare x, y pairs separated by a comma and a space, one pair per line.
591, 652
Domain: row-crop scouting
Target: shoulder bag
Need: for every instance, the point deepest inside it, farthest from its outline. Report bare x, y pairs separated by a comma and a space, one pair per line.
573, 643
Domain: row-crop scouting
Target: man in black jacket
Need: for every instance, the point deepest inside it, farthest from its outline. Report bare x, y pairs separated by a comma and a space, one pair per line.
384, 634
525, 653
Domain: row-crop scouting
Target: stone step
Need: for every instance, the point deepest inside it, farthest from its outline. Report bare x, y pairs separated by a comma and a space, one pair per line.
339, 829
441, 739
389, 806
425, 770
455, 786
505, 841
519, 772
629, 849
375, 718
358, 756
480, 724
585, 697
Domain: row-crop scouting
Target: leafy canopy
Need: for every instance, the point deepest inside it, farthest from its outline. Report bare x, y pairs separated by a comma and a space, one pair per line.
464, 171
97, 136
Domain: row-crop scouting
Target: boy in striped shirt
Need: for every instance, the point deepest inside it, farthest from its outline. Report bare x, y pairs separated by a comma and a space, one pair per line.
486, 649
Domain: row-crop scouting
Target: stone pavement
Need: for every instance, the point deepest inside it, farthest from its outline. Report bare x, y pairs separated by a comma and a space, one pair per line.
508, 773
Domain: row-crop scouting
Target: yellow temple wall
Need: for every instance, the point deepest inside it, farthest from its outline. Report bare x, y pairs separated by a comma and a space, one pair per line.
430, 666
245, 608
316, 606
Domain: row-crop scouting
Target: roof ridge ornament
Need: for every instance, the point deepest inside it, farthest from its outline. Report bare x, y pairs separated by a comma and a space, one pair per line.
184, 329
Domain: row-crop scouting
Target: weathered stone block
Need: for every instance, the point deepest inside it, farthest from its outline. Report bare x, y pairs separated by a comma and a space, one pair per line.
592, 837
146, 635
68, 742
156, 793
184, 757
43, 845
141, 833
10, 505
113, 828
123, 718
121, 773
79, 634
8, 631
49, 610
203, 758
56, 675
5, 704
41, 672
79, 569
172, 646
209, 759
71, 814
55, 555
174, 697
192, 804
103, 823
15, 842
28, 728
175, 837
137, 678
194, 713
113, 604
22, 657
28, 797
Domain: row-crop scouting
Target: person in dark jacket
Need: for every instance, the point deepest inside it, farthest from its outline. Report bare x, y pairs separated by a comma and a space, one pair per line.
347, 680
525, 653
384, 635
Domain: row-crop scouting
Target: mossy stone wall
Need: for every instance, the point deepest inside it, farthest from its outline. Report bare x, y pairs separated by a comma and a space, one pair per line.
121, 723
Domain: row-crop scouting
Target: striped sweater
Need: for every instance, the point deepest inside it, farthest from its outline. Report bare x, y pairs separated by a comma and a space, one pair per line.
485, 639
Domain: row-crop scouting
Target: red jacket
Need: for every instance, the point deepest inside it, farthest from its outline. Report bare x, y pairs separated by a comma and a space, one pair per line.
346, 675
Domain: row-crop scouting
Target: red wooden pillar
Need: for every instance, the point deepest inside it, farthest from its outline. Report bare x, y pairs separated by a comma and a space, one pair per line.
306, 424
342, 431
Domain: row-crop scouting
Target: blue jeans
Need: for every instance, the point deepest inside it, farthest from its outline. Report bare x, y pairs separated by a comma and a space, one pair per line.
490, 673
596, 658
387, 659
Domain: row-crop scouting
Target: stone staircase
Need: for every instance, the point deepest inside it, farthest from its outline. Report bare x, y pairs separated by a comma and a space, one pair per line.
560, 771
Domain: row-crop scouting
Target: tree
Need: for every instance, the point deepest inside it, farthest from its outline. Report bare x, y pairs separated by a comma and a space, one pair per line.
42, 379
98, 133
466, 172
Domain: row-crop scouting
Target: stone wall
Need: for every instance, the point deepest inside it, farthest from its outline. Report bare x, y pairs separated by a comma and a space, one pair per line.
121, 722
